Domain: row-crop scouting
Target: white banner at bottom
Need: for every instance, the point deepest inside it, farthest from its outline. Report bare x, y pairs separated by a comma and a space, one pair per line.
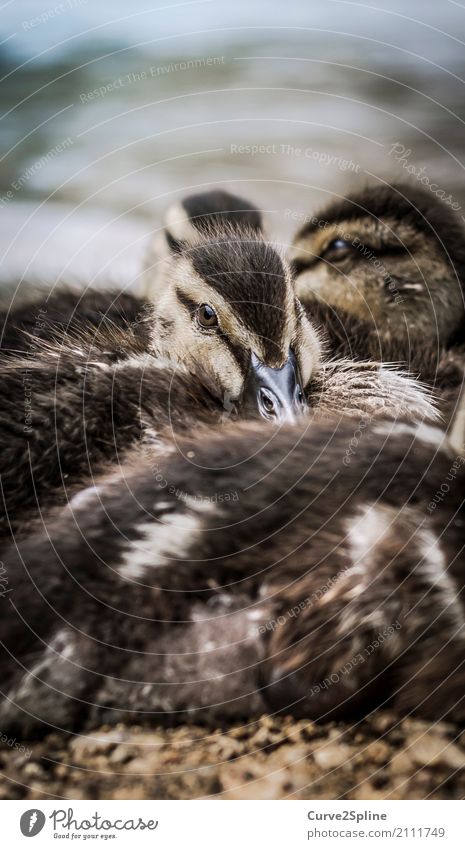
229, 824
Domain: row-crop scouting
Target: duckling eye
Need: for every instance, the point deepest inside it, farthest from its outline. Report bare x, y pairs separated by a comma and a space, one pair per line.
299, 396
206, 316
338, 249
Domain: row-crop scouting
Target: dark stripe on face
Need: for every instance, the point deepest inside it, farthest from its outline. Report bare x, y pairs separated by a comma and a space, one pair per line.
250, 275
187, 302
240, 355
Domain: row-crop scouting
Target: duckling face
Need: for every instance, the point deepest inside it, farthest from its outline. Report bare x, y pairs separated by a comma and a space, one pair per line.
392, 259
228, 310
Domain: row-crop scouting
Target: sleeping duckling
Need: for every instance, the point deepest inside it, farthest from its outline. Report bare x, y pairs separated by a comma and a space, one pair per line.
392, 256
383, 270
252, 569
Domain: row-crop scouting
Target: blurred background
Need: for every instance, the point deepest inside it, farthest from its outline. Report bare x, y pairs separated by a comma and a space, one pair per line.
111, 110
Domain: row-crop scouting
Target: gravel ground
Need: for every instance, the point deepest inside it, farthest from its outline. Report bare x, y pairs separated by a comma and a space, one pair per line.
381, 757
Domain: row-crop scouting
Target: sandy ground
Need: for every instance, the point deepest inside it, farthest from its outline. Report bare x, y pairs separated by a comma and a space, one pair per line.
381, 757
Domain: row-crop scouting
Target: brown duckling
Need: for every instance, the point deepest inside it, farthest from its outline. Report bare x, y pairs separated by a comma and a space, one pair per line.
383, 270
227, 336
252, 569
227, 308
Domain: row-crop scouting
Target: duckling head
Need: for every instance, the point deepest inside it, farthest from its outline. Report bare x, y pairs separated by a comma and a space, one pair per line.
227, 308
390, 255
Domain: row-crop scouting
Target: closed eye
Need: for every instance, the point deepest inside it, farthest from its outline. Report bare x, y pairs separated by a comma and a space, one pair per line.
340, 249
337, 250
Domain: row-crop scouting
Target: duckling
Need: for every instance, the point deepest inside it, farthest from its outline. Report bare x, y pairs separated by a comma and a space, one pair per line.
89, 387
392, 256
384, 271
227, 307
252, 569
226, 319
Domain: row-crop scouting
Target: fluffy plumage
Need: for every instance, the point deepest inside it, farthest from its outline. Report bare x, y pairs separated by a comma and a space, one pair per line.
313, 569
52, 315
67, 411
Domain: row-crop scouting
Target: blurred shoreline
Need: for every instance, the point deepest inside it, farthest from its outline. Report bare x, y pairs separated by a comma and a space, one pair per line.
110, 112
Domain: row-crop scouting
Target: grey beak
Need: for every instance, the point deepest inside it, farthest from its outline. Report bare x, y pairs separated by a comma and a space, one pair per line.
275, 394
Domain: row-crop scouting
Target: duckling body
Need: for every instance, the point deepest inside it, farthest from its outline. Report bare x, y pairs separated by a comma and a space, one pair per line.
80, 410
66, 311
255, 569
